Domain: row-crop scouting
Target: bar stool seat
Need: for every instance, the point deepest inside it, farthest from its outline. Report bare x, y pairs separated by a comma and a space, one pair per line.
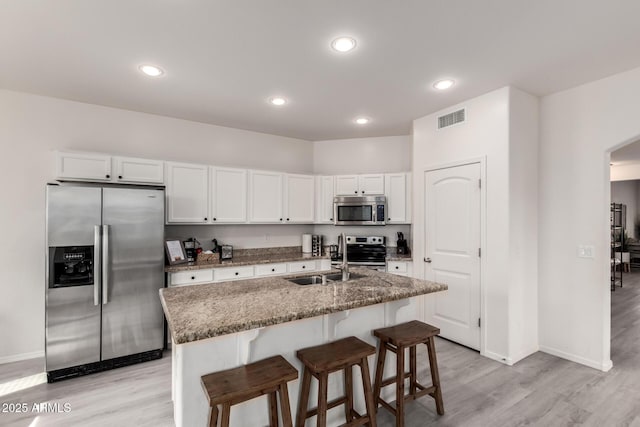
397, 339
319, 362
233, 386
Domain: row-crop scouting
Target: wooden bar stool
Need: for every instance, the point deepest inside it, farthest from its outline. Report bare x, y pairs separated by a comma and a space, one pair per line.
397, 339
246, 382
324, 359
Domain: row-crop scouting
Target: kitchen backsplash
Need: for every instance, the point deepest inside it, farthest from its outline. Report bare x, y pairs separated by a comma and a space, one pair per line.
269, 236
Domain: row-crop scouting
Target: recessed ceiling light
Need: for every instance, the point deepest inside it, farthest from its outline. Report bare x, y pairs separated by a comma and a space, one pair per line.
278, 101
362, 120
343, 44
443, 84
151, 70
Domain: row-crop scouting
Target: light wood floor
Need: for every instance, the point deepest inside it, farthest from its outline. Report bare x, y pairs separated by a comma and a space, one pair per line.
541, 390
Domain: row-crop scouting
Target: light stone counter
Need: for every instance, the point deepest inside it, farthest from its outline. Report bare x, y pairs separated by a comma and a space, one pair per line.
223, 325
204, 311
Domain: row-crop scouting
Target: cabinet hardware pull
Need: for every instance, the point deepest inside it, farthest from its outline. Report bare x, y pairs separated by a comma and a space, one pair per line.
397, 267
108, 176
215, 219
427, 260
304, 266
193, 277
205, 219
273, 269
362, 191
236, 273
354, 191
119, 176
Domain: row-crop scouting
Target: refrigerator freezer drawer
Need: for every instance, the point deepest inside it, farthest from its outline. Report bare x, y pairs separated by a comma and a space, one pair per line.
72, 327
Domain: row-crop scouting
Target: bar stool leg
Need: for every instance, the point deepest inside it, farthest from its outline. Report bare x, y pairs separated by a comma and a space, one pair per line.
435, 377
348, 391
412, 370
368, 394
226, 414
285, 407
382, 354
303, 403
213, 416
400, 386
273, 409
322, 399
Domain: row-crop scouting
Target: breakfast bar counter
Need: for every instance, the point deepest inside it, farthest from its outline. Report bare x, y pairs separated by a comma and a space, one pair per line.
218, 326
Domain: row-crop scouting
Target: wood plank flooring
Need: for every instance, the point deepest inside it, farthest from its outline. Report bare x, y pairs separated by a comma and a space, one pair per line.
541, 390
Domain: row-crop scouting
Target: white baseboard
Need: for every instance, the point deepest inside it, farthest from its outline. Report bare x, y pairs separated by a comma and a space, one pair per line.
21, 356
601, 366
524, 354
497, 357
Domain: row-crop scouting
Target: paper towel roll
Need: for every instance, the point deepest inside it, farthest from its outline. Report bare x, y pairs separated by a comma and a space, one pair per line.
306, 243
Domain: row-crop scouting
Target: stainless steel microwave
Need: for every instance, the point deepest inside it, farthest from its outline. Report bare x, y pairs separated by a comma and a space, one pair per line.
356, 210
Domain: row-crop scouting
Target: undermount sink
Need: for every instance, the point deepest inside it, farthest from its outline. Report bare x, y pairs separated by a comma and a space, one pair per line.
338, 277
317, 279
308, 280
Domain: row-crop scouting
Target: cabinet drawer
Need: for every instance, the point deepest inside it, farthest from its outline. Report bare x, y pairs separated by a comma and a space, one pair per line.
191, 277
396, 267
270, 269
232, 273
302, 266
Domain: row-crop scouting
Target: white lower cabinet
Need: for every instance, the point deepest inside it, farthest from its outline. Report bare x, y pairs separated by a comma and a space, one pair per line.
225, 274
191, 277
232, 273
263, 270
400, 268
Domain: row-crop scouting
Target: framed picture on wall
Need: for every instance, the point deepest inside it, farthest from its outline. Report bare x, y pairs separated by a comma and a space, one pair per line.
175, 252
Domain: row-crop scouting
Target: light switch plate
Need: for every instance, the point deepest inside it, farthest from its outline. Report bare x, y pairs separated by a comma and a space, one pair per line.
586, 251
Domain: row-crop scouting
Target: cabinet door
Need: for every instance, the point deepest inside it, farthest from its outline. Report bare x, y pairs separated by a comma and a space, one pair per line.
370, 185
83, 166
299, 195
396, 192
143, 171
324, 199
187, 193
228, 195
347, 185
265, 197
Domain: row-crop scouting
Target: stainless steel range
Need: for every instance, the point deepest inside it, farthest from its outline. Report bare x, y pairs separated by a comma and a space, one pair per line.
368, 251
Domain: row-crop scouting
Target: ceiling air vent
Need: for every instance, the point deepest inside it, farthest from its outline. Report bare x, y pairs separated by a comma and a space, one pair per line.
451, 119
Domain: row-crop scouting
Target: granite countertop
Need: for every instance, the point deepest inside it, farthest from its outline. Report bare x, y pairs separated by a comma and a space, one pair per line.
199, 312
399, 257
248, 259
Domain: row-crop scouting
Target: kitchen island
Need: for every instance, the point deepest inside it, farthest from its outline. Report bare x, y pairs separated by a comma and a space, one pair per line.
223, 325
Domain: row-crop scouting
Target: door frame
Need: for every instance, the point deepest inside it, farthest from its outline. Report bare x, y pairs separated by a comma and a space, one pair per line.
483, 236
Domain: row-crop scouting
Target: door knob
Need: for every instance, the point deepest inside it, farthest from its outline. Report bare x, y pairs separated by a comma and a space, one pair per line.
427, 260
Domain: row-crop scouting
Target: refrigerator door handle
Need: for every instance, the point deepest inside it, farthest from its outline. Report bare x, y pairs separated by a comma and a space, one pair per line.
105, 264
97, 265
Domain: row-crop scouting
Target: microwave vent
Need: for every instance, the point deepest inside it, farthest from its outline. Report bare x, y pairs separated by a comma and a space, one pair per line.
451, 119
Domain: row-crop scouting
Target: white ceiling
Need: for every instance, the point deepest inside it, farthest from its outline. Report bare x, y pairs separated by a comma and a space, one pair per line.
225, 58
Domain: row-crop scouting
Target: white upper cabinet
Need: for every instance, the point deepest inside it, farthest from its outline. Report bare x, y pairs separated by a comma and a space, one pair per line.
83, 166
324, 199
299, 199
347, 185
360, 185
228, 195
398, 192
133, 170
187, 193
371, 185
265, 197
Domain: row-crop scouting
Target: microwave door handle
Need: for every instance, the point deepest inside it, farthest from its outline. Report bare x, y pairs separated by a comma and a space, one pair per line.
97, 264
105, 264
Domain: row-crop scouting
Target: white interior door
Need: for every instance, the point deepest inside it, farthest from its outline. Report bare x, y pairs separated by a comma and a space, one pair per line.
452, 251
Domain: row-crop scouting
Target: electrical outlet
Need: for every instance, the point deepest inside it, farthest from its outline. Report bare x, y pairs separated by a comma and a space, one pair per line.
586, 251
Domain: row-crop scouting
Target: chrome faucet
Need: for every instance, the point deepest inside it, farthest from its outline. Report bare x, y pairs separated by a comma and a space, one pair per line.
345, 263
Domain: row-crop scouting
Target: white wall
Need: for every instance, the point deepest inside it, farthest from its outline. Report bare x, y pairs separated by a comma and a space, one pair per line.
501, 131
579, 127
31, 127
523, 224
362, 155
626, 192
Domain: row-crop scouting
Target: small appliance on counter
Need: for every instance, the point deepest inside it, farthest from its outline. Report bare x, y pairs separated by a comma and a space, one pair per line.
191, 247
226, 252
402, 248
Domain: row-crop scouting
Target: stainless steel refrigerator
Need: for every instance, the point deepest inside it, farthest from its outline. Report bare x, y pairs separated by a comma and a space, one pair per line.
105, 265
